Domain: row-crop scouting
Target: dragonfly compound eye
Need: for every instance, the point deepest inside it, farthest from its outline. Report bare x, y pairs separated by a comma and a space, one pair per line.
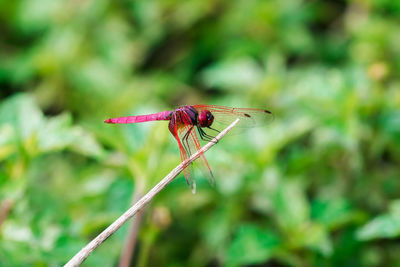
205, 118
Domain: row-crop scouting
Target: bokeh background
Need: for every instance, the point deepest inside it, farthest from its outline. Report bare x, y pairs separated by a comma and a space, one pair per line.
319, 186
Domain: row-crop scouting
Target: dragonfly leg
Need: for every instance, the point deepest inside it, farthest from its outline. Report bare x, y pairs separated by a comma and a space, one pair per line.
185, 141
204, 136
213, 129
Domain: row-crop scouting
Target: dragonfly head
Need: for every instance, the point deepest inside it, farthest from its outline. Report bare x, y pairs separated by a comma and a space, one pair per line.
205, 118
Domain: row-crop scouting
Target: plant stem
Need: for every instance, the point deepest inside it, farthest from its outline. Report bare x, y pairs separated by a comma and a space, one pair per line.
88, 249
5, 209
130, 242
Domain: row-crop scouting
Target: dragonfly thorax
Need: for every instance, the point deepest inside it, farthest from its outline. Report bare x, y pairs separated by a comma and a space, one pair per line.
186, 115
189, 115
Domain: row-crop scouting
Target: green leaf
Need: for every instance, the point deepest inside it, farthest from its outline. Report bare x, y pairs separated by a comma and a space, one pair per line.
7, 141
239, 74
22, 113
36, 14
332, 213
316, 237
56, 134
59, 133
251, 245
291, 205
383, 226
85, 143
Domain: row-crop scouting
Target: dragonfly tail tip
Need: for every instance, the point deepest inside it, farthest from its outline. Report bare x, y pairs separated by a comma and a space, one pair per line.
108, 121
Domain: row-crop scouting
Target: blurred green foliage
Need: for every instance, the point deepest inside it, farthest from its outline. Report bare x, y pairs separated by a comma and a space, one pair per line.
320, 186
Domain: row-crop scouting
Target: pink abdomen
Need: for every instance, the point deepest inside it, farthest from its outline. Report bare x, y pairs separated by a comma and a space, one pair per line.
160, 116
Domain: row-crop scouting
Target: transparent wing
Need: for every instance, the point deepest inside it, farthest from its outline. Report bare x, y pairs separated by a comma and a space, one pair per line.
249, 117
188, 145
184, 156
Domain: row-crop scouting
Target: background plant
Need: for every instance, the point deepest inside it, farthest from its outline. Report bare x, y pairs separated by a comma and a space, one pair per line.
318, 186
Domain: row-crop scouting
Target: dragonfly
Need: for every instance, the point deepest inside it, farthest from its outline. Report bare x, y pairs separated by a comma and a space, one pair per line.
188, 123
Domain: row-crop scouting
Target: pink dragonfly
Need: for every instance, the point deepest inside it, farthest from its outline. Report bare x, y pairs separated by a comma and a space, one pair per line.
184, 121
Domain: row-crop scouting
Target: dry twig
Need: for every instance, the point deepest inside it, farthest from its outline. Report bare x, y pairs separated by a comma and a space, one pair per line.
85, 252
